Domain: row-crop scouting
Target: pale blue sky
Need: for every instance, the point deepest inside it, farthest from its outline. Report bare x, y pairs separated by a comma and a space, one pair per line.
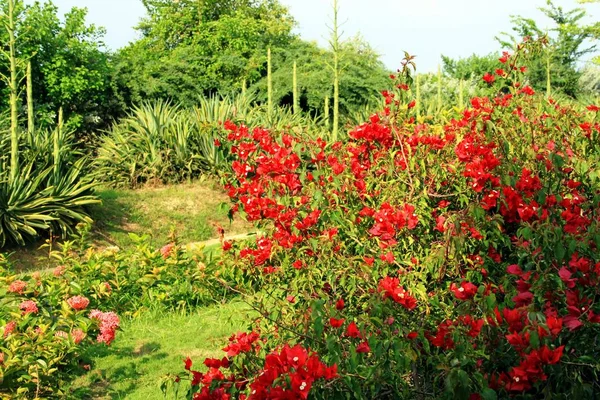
427, 28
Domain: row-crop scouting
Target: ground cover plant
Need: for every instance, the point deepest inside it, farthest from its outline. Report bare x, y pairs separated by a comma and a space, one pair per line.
419, 260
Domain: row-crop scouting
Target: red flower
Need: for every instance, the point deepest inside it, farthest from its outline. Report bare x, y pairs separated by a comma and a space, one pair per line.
336, 323
108, 325
363, 347
489, 78
593, 108
388, 257
352, 330
78, 335
166, 250
391, 288
339, 305
465, 291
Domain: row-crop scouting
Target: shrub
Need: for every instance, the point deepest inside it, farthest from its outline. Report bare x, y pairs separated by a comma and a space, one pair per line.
51, 192
424, 261
45, 325
46, 318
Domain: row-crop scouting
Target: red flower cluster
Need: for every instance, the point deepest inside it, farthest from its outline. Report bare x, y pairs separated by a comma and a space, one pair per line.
289, 374
17, 287
391, 288
389, 220
29, 307
465, 291
241, 343
78, 302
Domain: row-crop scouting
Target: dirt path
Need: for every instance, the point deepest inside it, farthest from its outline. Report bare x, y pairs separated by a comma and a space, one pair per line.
212, 242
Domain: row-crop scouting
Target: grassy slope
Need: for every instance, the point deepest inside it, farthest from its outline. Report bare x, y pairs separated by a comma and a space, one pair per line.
191, 210
154, 345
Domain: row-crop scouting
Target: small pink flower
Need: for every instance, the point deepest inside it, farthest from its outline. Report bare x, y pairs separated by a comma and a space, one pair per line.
61, 335
28, 306
58, 271
9, 328
17, 287
78, 335
78, 302
166, 250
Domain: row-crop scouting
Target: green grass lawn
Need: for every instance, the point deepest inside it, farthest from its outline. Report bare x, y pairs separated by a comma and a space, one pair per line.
154, 345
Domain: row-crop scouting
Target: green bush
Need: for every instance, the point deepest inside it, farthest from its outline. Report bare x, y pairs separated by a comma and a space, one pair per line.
52, 191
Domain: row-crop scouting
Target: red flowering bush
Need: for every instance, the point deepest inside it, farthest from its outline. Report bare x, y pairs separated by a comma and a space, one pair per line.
423, 260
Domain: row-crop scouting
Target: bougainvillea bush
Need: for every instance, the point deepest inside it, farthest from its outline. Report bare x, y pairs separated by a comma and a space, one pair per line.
420, 261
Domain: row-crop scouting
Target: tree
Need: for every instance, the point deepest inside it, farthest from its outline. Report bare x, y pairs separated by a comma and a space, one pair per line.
566, 45
69, 64
364, 76
191, 48
472, 67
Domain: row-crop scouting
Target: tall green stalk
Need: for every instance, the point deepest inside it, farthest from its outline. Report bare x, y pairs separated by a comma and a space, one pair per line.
244, 87
439, 92
30, 119
327, 111
269, 84
461, 100
548, 82
295, 90
418, 96
57, 137
335, 46
14, 94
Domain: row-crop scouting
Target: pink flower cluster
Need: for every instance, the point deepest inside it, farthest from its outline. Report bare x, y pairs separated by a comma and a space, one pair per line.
108, 324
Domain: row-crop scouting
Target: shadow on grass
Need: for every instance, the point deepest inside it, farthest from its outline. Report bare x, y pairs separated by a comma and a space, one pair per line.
111, 217
126, 371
